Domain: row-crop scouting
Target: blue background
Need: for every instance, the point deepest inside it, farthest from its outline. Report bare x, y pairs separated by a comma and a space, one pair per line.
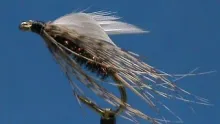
185, 34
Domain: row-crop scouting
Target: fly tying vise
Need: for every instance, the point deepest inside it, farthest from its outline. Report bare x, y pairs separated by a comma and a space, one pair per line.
79, 40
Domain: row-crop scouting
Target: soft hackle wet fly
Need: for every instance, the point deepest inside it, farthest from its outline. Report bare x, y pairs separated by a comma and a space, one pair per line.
81, 40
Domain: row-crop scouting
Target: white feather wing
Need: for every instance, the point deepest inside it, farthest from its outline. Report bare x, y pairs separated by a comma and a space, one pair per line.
97, 25
84, 24
112, 25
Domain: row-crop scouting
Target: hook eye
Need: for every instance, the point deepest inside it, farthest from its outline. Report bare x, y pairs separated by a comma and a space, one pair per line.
25, 25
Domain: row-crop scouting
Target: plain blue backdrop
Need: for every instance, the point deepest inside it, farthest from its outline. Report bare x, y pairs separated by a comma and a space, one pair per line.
185, 34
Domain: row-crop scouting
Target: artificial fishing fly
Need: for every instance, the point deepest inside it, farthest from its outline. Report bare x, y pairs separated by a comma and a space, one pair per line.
79, 40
